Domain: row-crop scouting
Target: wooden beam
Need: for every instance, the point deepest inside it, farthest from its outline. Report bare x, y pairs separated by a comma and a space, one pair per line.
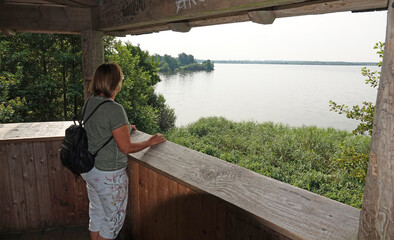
140, 23
137, 13
44, 19
324, 6
293, 212
377, 216
92, 56
263, 17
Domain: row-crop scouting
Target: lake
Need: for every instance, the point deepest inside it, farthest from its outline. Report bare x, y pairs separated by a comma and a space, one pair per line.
295, 95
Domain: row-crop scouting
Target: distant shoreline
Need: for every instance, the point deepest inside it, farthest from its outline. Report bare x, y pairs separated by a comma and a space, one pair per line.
336, 63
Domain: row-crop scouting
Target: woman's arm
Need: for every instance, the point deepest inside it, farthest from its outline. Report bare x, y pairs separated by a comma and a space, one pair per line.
122, 138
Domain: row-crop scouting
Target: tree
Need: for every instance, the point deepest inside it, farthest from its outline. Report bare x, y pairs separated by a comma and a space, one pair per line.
41, 80
366, 112
185, 59
143, 107
49, 75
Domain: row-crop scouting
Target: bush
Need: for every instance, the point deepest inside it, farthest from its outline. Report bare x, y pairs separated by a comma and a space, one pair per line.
328, 162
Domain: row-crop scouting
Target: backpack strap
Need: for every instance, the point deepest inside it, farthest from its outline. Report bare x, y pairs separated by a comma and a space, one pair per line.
94, 110
83, 114
105, 144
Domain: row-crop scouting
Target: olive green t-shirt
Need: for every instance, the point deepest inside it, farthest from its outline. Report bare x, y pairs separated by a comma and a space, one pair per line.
108, 117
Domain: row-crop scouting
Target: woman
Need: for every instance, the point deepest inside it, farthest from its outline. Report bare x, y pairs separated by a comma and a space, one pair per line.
107, 182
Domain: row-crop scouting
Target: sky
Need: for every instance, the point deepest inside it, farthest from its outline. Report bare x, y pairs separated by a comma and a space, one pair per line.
344, 36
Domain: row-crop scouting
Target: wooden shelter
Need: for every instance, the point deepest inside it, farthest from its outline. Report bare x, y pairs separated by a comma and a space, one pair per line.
177, 193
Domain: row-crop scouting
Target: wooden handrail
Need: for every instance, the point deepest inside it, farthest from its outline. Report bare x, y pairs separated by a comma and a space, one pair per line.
293, 212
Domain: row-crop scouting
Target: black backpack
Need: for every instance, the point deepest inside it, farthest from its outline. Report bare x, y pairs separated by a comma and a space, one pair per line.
74, 153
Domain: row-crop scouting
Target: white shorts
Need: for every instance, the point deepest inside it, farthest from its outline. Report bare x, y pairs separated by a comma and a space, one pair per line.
107, 192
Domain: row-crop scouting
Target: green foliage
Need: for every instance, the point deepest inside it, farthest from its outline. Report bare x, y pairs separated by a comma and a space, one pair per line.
184, 62
41, 80
366, 112
143, 107
328, 162
47, 76
10, 108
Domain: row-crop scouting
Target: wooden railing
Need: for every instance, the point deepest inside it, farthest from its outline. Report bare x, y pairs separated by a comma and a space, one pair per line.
175, 193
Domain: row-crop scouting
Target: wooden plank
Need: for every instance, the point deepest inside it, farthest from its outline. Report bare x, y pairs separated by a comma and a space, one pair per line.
8, 215
31, 236
57, 184
182, 213
134, 206
15, 160
171, 206
162, 197
291, 211
30, 185
221, 220
48, 131
117, 15
76, 233
208, 215
195, 210
45, 18
153, 204
321, 7
204, 13
42, 181
377, 221
143, 200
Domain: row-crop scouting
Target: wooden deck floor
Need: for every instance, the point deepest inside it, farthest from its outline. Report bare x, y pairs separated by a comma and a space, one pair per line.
67, 233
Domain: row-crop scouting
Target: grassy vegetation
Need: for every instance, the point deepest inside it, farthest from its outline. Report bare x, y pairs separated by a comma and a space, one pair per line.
328, 162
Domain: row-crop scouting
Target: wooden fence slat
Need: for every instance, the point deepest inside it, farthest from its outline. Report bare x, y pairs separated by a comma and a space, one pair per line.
44, 199
208, 217
8, 214
134, 207
153, 203
220, 221
182, 212
30, 185
194, 219
57, 185
143, 199
162, 197
16, 182
172, 221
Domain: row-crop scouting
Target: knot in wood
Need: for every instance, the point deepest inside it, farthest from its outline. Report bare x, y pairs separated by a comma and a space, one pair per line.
208, 175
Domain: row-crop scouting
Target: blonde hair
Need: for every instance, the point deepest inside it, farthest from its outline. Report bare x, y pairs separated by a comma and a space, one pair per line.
107, 80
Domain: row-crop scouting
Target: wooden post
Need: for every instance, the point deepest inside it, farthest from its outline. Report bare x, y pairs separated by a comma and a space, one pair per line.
92, 56
377, 216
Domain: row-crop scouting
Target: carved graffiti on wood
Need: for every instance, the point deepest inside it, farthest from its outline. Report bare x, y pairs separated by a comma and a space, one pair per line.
131, 8
185, 4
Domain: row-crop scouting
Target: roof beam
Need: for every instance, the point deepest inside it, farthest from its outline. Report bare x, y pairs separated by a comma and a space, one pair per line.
138, 13
45, 19
141, 16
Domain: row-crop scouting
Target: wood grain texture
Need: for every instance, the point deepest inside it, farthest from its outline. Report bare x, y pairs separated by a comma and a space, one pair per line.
377, 217
293, 212
36, 191
28, 131
45, 18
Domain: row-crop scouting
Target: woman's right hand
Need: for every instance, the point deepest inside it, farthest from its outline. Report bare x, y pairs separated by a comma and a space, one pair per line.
156, 139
